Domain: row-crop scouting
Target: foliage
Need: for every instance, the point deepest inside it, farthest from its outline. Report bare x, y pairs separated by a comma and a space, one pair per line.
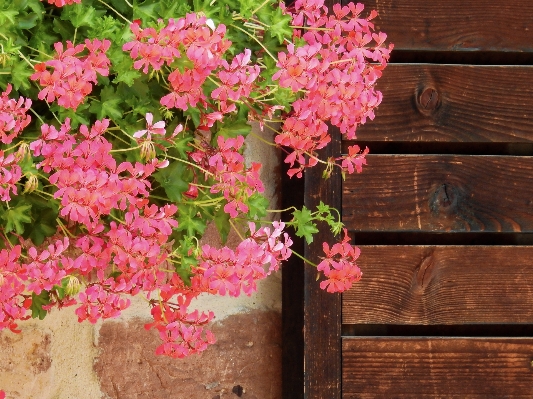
132, 143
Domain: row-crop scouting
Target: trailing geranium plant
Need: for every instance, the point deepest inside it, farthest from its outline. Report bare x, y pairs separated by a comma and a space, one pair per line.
125, 140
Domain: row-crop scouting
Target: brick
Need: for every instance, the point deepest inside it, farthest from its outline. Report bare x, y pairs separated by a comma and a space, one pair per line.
244, 363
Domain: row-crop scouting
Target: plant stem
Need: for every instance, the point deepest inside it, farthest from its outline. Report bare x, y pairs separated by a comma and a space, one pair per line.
126, 149
263, 140
281, 210
236, 230
190, 163
37, 115
112, 9
256, 39
261, 6
303, 258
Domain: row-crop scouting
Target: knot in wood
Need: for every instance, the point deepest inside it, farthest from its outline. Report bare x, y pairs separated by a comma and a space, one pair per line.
444, 199
428, 100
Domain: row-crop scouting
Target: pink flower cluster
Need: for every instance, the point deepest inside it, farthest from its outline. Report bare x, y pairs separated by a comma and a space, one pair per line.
89, 181
73, 75
226, 166
181, 331
48, 267
336, 70
226, 271
339, 266
10, 174
13, 302
204, 47
13, 116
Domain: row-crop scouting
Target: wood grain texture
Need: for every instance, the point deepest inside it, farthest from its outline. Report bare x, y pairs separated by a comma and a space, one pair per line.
454, 103
440, 193
455, 25
322, 310
437, 368
442, 285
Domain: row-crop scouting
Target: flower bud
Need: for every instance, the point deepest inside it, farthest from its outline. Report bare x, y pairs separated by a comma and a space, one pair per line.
192, 192
23, 151
73, 286
147, 150
31, 184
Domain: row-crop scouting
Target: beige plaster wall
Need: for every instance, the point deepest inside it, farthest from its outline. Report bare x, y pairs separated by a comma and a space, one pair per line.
59, 358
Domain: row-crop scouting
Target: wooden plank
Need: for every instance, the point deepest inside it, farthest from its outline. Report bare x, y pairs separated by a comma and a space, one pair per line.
454, 103
442, 285
322, 346
456, 25
292, 297
437, 368
440, 193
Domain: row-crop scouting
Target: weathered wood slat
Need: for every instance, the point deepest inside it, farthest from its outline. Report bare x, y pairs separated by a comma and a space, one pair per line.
442, 285
456, 103
321, 346
437, 368
440, 193
456, 25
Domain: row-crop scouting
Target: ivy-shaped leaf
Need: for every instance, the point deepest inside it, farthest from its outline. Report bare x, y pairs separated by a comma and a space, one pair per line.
79, 15
222, 224
304, 225
37, 303
109, 105
257, 205
234, 129
172, 180
16, 217
20, 74
145, 11
189, 221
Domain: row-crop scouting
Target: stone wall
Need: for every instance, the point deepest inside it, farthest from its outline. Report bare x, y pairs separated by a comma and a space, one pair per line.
59, 358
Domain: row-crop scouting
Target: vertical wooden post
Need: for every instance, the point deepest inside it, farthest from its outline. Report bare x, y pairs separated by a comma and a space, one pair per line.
311, 316
322, 310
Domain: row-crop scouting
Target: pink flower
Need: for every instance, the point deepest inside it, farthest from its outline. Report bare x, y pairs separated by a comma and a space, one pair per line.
156, 128
73, 75
354, 160
339, 266
13, 118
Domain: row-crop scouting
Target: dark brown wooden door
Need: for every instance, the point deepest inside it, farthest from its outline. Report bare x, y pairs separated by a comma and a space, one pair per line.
443, 214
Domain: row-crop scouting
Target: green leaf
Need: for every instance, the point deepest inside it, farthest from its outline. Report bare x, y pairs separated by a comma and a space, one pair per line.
190, 221
279, 24
145, 11
28, 21
234, 129
20, 74
8, 16
128, 77
172, 179
222, 224
78, 117
37, 303
188, 258
303, 223
104, 27
172, 9
108, 106
65, 29
15, 217
79, 15
257, 205
181, 143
